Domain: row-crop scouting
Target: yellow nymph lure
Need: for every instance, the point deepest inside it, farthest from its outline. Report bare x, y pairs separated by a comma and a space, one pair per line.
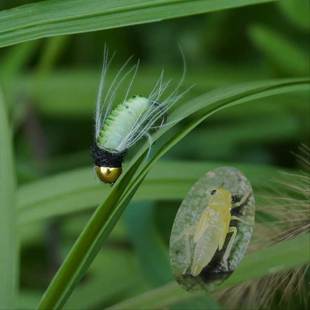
212, 228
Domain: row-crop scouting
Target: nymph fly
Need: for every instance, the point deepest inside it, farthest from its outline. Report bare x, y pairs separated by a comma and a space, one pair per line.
212, 228
121, 125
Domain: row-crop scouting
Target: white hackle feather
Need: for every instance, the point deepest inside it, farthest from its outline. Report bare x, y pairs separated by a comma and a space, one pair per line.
148, 119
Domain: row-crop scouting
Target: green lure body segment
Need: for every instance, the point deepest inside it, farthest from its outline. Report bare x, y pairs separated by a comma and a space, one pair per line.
121, 121
212, 229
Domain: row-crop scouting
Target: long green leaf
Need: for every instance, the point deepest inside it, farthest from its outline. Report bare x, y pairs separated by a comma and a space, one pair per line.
8, 235
52, 18
282, 256
107, 214
278, 49
79, 190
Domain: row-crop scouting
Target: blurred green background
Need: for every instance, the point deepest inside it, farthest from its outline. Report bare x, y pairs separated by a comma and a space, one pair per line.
50, 87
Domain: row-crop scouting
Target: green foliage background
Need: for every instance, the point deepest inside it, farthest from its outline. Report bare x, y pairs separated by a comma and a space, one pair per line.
251, 51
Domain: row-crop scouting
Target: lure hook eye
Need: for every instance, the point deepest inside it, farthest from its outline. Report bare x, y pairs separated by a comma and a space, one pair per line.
108, 174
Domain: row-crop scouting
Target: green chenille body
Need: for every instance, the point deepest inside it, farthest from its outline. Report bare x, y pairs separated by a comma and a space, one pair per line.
120, 122
182, 242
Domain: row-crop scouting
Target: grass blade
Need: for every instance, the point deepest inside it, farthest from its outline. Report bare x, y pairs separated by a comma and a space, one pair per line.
277, 49
282, 256
52, 18
8, 235
78, 190
107, 214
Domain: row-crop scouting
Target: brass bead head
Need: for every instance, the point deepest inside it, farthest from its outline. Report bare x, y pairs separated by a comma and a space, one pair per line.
108, 174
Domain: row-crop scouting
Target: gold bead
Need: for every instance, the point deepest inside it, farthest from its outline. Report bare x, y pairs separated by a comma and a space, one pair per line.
108, 174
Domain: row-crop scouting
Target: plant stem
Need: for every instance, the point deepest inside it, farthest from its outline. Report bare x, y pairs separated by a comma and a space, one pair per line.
8, 235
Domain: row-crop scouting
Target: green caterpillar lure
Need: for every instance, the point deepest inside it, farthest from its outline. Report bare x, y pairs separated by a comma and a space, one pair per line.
212, 229
120, 126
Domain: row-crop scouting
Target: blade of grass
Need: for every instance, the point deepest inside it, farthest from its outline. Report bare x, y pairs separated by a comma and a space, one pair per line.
8, 235
106, 270
277, 49
107, 214
282, 256
52, 18
86, 238
79, 190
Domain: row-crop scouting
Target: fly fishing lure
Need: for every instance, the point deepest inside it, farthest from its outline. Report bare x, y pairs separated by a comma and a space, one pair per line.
120, 126
212, 229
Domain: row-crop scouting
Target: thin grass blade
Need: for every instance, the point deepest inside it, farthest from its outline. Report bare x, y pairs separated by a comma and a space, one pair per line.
8, 234
107, 214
